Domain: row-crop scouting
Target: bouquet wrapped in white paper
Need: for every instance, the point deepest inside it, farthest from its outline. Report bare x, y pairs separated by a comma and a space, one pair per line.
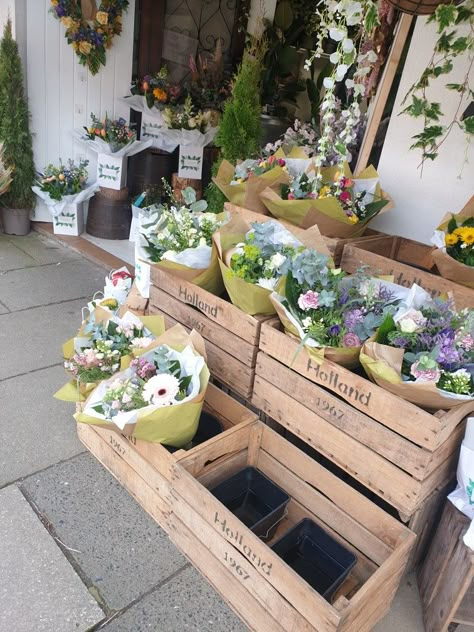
463, 495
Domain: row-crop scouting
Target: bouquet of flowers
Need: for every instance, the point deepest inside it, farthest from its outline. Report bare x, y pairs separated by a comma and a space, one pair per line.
114, 132
254, 259
341, 205
242, 184
187, 117
332, 313
158, 90
61, 185
5, 174
179, 239
302, 135
118, 284
104, 345
454, 240
425, 355
159, 397
210, 85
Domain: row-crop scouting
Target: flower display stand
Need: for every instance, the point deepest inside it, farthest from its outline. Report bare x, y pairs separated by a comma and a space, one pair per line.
112, 171
401, 453
109, 215
231, 335
70, 221
446, 579
179, 184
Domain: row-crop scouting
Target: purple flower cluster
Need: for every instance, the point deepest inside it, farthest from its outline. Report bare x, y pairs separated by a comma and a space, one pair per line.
353, 318
144, 369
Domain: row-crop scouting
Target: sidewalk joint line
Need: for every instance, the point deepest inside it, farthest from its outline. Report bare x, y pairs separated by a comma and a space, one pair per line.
68, 300
42, 368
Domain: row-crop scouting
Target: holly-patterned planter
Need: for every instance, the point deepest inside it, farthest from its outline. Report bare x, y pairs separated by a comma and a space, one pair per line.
111, 171
70, 221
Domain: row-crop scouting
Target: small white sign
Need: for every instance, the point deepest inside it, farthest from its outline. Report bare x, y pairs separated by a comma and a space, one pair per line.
190, 161
111, 171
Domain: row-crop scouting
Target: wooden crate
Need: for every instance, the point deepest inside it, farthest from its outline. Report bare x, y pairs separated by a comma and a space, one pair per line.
381, 543
400, 249
406, 275
135, 302
446, 579
394, 448
231, 335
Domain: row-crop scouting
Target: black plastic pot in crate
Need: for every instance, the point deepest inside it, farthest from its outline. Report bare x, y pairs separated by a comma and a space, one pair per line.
209, 426
316, 556
254, 499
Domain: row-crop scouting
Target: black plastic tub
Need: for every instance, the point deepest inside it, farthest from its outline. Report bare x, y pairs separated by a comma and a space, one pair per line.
254, 499
316, 556
209, 426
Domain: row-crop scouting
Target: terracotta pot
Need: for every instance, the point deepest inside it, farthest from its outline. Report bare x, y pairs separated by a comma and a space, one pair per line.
417, 7
16, 221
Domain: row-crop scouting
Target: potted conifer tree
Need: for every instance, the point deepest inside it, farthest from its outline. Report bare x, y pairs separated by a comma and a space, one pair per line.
15, 135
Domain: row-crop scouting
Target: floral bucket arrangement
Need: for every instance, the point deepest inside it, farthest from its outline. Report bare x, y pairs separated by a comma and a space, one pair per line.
159, 398
425, 354
454, 241
114, 142
340, 204
64, 189
332, 314
243, 183
105, 344
254, 259
178, 238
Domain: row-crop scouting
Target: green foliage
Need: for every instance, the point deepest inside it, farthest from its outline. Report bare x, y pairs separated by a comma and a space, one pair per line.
448, 47
240, 128
14, 125
213, 195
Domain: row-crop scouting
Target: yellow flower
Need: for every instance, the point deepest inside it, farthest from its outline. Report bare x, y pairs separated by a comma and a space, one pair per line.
102, 17
85, 48
68, 22
75, 45
109, 302
459, 231
353, 219
468, 236
450, 239
323, 192
262, 164
54, 3
160, 95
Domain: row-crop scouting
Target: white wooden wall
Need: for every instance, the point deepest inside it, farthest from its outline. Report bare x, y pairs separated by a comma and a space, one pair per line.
62, 93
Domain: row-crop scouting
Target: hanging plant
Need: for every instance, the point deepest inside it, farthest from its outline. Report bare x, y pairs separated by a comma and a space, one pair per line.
450, 45
350, 25
90, 40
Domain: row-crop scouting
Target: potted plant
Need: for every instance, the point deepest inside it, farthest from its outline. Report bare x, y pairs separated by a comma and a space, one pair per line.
5, 174
16, 137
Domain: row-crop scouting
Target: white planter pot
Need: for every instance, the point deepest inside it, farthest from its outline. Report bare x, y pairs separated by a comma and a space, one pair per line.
111, 171
70, 221
135, 225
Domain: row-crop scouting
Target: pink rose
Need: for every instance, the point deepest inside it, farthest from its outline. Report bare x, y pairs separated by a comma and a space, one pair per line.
351, 340
308, 300
345, 196
424, 375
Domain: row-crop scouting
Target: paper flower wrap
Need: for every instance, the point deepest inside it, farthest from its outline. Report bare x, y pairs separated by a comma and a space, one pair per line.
448, 267
327, 212
56, 207
118, 284
247, 194
175, 424
100, 146
197, 265
77, 391
250, 298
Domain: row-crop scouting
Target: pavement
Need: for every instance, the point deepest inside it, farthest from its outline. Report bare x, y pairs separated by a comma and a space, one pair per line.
77, 553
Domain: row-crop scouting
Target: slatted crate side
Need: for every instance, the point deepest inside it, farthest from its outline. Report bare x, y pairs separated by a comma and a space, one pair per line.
213, 307
154, 494
408, 420
210, 330
406, 455
384, 478
225, 367
405, 275
401, 249
135, 302
320, 496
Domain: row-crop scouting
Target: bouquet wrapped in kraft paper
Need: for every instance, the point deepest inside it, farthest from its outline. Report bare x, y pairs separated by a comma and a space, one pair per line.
425, 355
254, 258
159, 398
179, 239
330, 313
105, 344
243, 183
342, 205
454, 241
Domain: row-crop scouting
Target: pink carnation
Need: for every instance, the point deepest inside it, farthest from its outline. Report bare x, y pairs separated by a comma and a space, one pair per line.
351, 340
308, 300
424, 375
467, 342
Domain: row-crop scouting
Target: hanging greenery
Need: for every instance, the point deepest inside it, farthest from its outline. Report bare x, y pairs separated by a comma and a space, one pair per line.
452, 43
90, 40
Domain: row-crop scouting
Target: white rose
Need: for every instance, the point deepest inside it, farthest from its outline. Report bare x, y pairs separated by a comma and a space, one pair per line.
408, 326
277, 260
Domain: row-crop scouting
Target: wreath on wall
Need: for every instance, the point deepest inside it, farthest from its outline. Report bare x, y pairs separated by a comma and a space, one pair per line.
90, 30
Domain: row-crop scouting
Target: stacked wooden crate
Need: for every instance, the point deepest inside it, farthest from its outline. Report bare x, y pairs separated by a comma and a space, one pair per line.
262, 589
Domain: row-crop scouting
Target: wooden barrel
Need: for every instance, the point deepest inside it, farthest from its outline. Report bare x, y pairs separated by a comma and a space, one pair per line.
109, 217
149, 167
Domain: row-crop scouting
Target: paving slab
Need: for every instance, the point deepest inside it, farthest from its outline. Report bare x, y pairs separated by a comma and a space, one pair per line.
54, 283
405, 614
36, 430
39, 589
185, 603
44, 329
40, 249
12, 257
123, 552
